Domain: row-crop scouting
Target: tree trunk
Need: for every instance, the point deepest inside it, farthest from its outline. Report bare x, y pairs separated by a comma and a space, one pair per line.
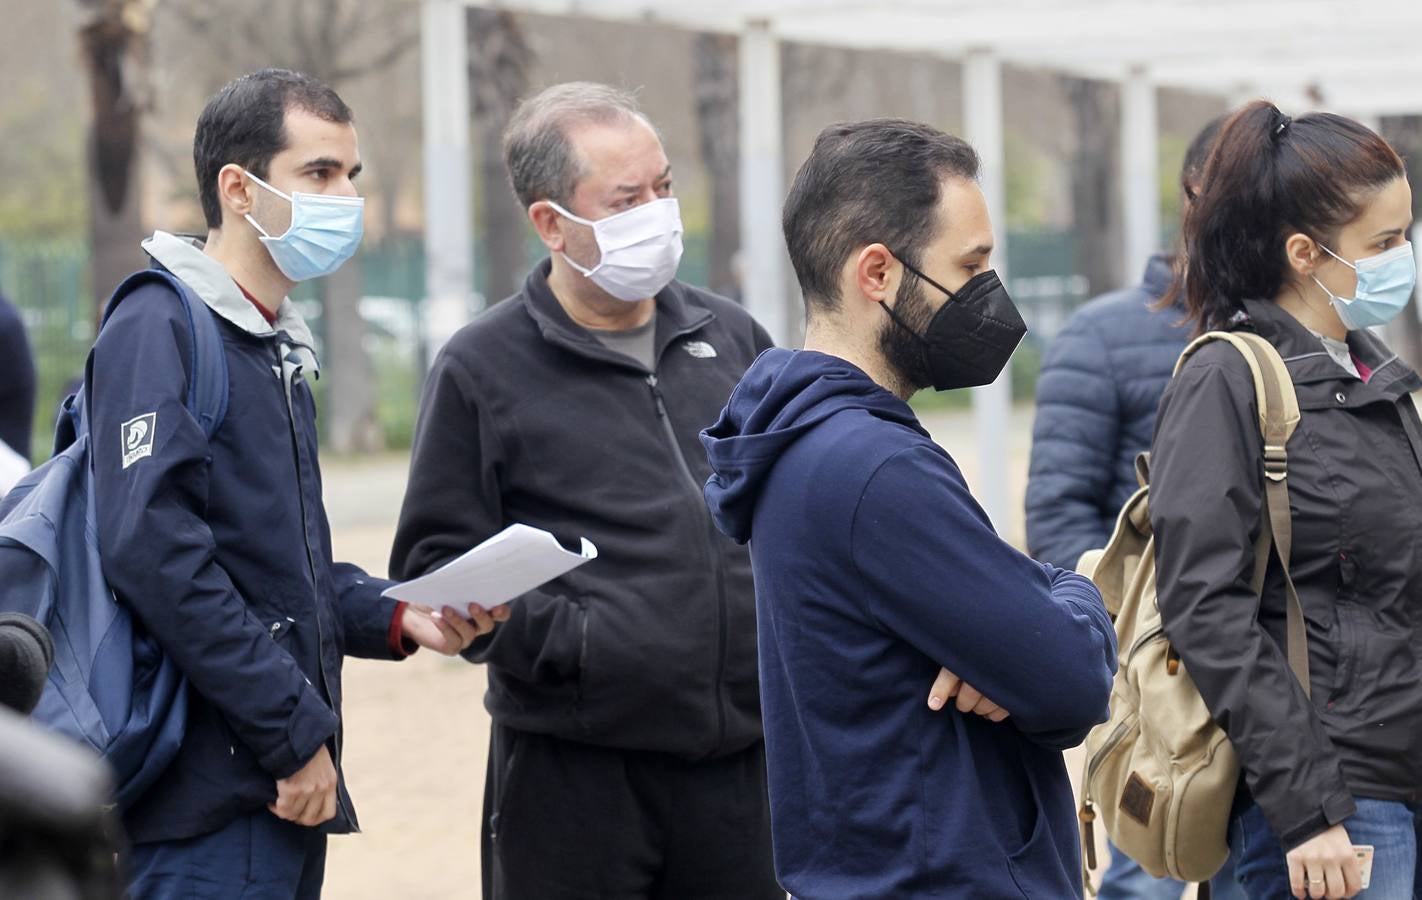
1094, 185
500, 59
114, 238
348, 379
112, 51
504, 220
718, 121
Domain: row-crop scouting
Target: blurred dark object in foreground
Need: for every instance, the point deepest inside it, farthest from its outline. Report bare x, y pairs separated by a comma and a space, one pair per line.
59, 838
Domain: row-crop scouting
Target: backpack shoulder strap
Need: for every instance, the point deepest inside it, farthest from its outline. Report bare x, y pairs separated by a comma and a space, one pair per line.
1273, 388
208, 385
1278, 418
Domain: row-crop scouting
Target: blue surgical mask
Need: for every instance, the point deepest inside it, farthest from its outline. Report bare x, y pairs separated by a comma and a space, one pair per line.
325, 231
1385, 285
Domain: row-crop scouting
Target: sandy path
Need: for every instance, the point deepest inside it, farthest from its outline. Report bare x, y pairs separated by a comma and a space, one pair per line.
415, 749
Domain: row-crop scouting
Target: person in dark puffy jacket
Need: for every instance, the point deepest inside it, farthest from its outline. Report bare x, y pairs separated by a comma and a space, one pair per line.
1097, 395
1096, 400
1300, 236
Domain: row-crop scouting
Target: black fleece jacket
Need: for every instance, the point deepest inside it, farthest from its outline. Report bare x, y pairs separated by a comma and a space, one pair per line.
528, 418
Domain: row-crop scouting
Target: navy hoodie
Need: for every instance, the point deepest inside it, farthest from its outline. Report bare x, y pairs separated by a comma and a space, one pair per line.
874, 566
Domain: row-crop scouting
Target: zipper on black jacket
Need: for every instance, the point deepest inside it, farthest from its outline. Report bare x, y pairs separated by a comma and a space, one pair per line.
287, 390
711, 552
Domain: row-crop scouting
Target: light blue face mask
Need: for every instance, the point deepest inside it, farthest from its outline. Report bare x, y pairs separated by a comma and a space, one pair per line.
1385, 285
325, 231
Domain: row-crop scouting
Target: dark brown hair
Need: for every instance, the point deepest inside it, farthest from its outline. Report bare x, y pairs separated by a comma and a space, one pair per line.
245, 123
1268, 177
878, 180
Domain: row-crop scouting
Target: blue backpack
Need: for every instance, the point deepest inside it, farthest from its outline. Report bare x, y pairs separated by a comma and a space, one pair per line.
111, 686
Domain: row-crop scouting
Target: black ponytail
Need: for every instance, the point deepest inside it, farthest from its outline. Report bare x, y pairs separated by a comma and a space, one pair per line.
1268, 177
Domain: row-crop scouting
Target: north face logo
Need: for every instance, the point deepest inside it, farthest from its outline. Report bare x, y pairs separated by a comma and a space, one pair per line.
700, 349
138, 438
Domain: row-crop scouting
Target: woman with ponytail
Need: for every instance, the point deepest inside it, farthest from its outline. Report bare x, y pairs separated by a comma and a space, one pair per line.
1299, 234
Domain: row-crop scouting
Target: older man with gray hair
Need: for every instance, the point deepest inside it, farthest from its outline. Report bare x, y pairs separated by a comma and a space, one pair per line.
626, 758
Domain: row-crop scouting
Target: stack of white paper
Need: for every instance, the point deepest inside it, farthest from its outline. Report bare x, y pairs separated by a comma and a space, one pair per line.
512, 562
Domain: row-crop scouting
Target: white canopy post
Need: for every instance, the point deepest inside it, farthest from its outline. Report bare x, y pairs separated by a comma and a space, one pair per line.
449, 221
763, 181
1140, 170
992, 404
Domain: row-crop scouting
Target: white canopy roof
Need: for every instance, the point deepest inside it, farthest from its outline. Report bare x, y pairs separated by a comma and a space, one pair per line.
1362, 59
1341, 55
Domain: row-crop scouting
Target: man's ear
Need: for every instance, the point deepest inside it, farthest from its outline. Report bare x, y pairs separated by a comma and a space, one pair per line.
1302, 253
234, 190
549, 225
875, 273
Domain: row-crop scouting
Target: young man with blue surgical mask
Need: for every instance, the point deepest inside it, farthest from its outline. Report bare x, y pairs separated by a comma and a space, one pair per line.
626, 757
217, 540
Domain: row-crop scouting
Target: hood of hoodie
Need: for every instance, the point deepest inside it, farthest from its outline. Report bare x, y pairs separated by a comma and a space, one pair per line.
209, 280
784, 395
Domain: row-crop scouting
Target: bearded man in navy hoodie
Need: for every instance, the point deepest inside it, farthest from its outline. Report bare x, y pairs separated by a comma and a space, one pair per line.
876, 569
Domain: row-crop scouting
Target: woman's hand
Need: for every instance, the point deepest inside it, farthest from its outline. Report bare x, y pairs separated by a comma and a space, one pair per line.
1325, 866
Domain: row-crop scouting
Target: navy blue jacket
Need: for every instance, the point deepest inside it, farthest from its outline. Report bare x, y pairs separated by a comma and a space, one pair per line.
1097, 397
222, 548
873, 567
17, 381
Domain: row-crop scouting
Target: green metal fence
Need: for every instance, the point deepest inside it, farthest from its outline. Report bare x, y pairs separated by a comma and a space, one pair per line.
48, 280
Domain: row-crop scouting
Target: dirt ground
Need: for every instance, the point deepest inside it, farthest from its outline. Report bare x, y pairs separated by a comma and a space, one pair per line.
415, 747
417, 733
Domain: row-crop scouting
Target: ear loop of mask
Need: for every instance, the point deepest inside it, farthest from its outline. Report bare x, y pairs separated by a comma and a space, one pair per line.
1323, 287
260, 230
894, 317
585, 272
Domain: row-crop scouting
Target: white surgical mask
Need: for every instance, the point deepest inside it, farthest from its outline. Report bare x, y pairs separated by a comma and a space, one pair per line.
325, 231
640, 248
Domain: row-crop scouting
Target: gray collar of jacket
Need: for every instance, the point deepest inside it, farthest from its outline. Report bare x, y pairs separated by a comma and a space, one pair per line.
676, 317
1309, 361
183, 257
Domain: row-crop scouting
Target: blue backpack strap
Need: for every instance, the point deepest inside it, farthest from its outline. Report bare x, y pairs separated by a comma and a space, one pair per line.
208, 384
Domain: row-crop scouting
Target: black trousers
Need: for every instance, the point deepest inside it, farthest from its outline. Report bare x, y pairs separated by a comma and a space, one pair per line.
570, 821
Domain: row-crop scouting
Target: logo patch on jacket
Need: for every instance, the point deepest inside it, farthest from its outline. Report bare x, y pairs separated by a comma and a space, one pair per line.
700, 349
138, 438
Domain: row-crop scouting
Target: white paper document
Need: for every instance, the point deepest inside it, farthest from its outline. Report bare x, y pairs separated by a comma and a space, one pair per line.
516, 560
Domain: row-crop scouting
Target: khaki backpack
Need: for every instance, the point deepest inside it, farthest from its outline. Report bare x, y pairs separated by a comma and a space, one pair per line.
1160, 774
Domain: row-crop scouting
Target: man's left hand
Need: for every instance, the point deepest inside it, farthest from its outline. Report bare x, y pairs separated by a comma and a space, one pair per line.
450, 631
970, 700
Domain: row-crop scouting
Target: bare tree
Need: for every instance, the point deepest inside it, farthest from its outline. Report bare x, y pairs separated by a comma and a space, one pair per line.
718, 124
337, 41
113, 40
340, 42
500, 62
